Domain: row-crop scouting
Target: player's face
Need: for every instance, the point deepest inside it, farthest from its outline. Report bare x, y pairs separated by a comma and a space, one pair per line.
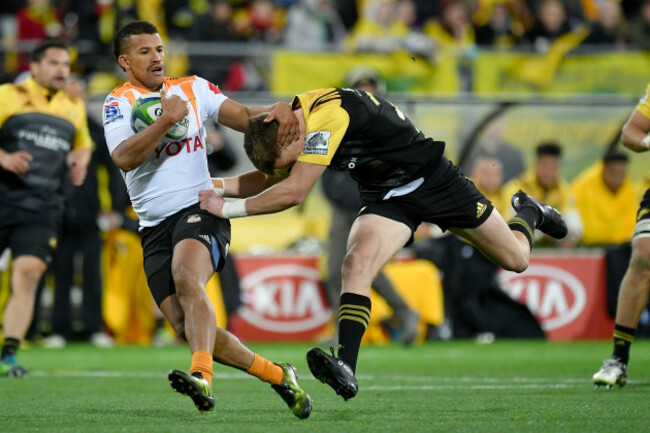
144, 61
289, 155
53, 70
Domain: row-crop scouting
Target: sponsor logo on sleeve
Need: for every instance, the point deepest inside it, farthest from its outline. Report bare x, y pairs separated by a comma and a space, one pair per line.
317, 143
215, 89
112, 112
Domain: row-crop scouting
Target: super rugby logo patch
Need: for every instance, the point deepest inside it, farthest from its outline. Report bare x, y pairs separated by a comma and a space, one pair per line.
112, 112
317, 143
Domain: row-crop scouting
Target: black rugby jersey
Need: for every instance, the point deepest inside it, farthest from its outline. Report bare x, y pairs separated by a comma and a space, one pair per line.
46, 128
349, 129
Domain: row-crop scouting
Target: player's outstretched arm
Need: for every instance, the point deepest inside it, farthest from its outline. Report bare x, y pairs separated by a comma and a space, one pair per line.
246, 184
634, 135
283, 195
235, 116
135, 150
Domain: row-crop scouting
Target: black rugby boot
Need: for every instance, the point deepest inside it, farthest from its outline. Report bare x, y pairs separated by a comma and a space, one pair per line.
550, 220
332, 371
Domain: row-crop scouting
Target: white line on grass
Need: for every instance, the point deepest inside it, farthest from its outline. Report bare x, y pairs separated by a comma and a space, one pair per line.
464, 382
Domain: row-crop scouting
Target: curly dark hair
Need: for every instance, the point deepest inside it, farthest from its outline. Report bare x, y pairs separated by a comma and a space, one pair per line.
122, 36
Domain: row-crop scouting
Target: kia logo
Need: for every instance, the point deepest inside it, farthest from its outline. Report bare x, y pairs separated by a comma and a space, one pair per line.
555, 296
284, 298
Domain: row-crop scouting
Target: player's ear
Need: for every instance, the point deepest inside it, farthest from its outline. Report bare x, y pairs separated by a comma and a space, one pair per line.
123, 61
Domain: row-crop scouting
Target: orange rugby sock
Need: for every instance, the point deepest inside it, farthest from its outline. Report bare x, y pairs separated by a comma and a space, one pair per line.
202, 363
266, 370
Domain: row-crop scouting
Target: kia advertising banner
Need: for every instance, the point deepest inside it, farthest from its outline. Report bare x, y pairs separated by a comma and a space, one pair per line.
566, 292
283, 299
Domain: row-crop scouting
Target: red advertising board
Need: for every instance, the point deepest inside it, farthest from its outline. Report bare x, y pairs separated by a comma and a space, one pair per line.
566, 292
283, 299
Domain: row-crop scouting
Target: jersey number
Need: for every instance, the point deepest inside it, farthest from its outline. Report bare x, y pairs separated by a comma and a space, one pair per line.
397, 110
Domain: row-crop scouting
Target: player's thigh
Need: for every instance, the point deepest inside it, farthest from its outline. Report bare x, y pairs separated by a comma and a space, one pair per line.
374, 239
191, 263
200, 245
493, 237
36, 241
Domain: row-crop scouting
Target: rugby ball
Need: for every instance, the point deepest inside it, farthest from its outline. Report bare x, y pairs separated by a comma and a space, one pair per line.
147, 108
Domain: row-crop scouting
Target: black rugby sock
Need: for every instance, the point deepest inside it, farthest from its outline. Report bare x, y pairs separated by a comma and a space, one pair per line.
10, 347
623, 338
354, 316
525, 222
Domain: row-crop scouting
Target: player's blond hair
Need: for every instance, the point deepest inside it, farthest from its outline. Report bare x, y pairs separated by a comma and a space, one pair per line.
260, 143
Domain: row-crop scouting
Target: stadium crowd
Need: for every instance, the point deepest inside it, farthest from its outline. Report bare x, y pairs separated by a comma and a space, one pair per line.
424, 28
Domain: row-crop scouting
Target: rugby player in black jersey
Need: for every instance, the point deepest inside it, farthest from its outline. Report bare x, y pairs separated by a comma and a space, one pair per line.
43, 137
404, 180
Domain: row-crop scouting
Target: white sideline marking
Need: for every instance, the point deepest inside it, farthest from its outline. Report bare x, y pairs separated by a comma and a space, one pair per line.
465, 382
472, 387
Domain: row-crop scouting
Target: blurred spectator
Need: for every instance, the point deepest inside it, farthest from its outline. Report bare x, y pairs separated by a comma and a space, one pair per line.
454, 33
606, 200
37, 21
348, 11
640, 27
552, 23
216, 25
313, 25
415, 41
492, 144
609, 28
181, 16
378, 30
261, 21
544, 183
487, 175
80, 240
501, 23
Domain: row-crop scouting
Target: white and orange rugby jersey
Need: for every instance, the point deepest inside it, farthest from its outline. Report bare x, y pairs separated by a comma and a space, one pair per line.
171, 178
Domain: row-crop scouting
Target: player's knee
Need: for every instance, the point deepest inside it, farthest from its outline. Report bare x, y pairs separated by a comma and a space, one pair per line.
640, 261
516, 262
356, 263
30, 276
185, 281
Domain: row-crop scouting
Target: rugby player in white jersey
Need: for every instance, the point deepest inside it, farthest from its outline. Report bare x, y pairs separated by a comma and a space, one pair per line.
183, 245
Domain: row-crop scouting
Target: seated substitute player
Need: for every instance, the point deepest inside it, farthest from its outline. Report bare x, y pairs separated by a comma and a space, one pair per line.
404, 180
633, 293
183, 245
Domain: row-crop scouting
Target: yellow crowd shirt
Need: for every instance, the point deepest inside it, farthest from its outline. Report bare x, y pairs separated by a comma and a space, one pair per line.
559, 195
607, 217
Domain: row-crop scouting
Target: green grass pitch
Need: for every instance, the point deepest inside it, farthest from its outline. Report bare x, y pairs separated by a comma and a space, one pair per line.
507, 386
